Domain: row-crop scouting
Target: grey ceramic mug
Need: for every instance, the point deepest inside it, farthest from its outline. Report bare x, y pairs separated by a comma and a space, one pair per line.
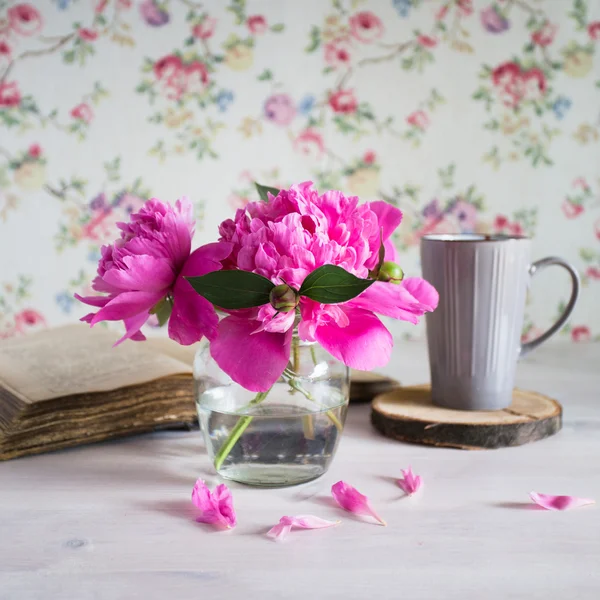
474, 334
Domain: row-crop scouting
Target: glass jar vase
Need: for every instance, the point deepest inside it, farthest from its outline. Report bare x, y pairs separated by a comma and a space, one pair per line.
285, 436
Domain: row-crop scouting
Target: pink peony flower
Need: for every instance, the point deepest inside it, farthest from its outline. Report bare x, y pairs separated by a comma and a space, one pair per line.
427, 41
544, 36
205, 29
286, 239
366, 27
35, 151
25, 19
10, 95
280, 109
337, 54
350, 499
418, 119
147, 264
88, 35
217, 507
343, 101
257, 24
594, 30
310, 143
581, 333
83, 112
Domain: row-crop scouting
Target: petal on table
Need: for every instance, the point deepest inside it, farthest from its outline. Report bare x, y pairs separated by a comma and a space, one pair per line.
410, 483
550, 502
285, 525
350, 499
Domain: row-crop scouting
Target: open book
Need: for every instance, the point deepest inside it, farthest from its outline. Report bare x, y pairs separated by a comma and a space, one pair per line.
68, 386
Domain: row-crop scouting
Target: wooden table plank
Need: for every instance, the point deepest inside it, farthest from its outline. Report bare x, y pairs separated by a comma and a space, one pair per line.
114, 521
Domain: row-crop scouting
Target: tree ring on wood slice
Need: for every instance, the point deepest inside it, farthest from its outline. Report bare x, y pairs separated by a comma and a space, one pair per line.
407, 414
365, 385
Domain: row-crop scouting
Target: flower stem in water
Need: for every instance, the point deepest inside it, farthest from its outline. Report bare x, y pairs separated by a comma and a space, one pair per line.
237, 432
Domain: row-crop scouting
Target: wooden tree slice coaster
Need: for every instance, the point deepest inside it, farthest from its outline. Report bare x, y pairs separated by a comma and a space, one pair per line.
365, 385
407, 414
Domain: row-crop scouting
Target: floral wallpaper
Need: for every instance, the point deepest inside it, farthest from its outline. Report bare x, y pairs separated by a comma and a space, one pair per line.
470, 115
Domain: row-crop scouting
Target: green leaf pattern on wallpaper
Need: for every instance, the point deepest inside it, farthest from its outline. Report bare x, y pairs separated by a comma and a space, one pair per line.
469, 115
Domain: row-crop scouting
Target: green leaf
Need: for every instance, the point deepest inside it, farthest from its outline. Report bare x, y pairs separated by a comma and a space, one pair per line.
233, 289
331, 284
277, 27
263, 191
162, 310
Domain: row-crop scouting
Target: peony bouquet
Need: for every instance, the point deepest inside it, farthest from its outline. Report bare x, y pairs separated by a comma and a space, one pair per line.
296, 265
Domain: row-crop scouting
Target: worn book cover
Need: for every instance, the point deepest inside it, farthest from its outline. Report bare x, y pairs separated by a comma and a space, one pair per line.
69, 386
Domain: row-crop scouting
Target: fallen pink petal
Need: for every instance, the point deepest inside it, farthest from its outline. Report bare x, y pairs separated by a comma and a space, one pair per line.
410, 483
550, 502
217, 507
350, 499
285, 525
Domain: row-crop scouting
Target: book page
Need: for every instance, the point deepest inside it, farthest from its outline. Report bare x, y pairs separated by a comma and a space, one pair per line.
78, 359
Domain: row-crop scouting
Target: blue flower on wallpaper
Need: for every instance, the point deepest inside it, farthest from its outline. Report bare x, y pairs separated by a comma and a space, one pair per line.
65, 301
402, 7
94, 256
224, 99
306, 104
561, 106
63, 4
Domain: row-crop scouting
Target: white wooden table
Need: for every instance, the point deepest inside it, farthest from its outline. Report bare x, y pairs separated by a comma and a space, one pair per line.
114, 520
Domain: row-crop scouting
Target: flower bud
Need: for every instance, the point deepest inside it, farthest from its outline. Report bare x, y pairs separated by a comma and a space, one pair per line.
283, 298
390, 272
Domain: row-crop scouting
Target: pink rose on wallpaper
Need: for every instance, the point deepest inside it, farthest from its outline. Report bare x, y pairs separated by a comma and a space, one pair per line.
570, 209
205, 29
343, 101
533, 84
531, 334
582, 183
594, 30
87, 35
366, 27
153, 14
280, 109
83, 112
169, 70
581, 333
257, 24
441, 12
427, 41
418, 119
28, 318
337, 54
465, 7
544, 36
593, 272
4, 49
9, 94
369, 157
196, 77
24, 19
310, 143
35, 151
493, 20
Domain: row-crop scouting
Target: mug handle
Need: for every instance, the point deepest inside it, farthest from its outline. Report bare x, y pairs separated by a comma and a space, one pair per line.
538, 265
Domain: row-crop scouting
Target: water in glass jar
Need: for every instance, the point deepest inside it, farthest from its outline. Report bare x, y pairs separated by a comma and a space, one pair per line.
283, 442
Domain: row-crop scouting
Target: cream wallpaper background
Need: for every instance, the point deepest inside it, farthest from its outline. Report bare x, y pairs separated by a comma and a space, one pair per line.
470, 115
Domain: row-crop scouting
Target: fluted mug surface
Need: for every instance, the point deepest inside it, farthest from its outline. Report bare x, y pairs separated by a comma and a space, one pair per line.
474, 336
